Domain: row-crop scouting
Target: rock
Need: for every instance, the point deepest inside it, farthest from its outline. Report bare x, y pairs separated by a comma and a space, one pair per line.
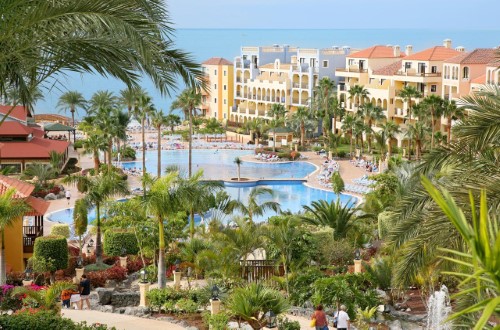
125, 299
183, 324
408, 310
192, 328
107, 309
111, 284
129, 311
61, 194
395, 325
50, 197
382, 295
104, 295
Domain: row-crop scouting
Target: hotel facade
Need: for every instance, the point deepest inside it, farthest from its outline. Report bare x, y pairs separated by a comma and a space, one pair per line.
218, 98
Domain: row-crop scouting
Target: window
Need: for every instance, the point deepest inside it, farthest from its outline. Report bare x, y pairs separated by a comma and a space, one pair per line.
224, 116
225, 73
466, 73
215, 100
433, 88
225, 87
351, 61
225, 101
215, 72
407, 65
325, 64
215, 86
434, 69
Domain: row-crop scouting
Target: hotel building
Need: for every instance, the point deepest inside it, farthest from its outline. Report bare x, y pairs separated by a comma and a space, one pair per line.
218, 98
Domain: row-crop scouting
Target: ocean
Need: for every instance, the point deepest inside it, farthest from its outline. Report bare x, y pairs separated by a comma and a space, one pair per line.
206, 43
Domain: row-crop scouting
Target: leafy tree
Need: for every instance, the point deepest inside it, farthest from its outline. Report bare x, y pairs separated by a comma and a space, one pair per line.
72, 101
80, 220
51, 251
252, 207
11, 209
337, 183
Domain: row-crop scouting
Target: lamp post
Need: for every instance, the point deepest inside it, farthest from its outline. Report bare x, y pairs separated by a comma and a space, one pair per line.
79, 270
123, 258
27, 281
177, 275
143, 288
215, 302
271, 319
357, 261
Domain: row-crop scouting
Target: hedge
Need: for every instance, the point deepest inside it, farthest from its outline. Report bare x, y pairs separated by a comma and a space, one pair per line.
53, 248
43, 320
114, 241
60, 230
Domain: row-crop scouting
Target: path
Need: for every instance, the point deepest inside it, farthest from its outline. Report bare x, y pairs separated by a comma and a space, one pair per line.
119, 321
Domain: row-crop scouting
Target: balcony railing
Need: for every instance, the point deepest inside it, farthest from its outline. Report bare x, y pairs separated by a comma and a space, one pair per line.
352, 70
418, 74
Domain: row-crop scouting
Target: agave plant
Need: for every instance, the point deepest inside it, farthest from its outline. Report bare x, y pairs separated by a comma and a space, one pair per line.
251, 303
46, 298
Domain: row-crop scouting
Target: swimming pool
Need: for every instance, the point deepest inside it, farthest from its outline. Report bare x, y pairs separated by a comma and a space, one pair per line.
219, 164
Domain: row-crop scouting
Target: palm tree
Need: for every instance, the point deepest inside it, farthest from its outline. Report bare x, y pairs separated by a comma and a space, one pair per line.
277, 111
93, 145
143, 109
11, 209
372, 114
273, 125
102, 99
72, 100
417, 132
451, 112
238, 162
97, 190
324, 101
162, 201
301, 116
172, 120
158, 119
252, 207
244, 239
255, 127
359, 93
348, 125
407, 94
46, 299
187, 101
128, 98
390, 129
434, 104
341, 218
123, 39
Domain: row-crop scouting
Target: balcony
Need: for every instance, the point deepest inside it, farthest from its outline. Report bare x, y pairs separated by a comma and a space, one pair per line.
300, 86
30, 233
296, 101
356, 70
350, 72
418, 77
418, 74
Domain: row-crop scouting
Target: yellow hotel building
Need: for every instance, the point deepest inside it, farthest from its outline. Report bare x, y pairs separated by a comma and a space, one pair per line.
218, 99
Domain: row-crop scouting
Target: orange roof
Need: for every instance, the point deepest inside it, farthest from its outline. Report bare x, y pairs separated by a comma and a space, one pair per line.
389, 70
217, 61
37, 148
477, 56
38, 206
14, 128
479, 80
437, 53
23, 189
19, 111
376, 52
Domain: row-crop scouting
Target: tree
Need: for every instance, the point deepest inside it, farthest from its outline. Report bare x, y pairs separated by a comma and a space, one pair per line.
187, 101
372, 114
80, 220
278, 111
50, 253
390, 129
359, 93
301, 116
172, 121
337, 183
122, 39
158, 119
42, 172
11, 209
407, 94
128, 98
255, 126
273, 125
94, 144
417, 132
252, 207
434, 105
98, 189
143, 109
348, 125
325, 103
341, 218
238, 162
72, 100
451, 112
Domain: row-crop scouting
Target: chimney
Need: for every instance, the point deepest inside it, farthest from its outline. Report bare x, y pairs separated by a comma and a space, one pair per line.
347, 49
460, 49
397, 51
409, 50
447, 43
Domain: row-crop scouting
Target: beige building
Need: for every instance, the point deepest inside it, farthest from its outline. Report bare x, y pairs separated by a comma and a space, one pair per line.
218, 100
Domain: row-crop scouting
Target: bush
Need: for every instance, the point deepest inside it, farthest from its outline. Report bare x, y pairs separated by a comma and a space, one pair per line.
342, 154
78, 144
115, 241
135, 264
53, 249
286, 324
172, 300
60, 230
99, 278
301, 286
186, 305
217, 321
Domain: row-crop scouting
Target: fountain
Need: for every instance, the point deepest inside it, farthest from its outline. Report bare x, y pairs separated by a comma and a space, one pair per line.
438, 310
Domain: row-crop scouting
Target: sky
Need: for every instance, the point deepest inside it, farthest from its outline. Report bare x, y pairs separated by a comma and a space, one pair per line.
335, 14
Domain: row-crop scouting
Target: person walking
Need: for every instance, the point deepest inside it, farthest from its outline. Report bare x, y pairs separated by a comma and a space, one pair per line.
68, 195
343, 321
319, 316
84, 291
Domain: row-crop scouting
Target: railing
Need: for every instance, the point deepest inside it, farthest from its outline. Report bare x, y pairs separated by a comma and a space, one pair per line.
260, 270
352, 70
238, 79
419, 74
33, 230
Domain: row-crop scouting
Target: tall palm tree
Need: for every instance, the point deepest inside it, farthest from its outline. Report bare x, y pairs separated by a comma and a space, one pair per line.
187, 101
407, 94
93, 145
252, 208
158, 119
277, 111
359, 93
244, 239
341, 218
390, 129
418, 132
102, 99
238, 162
348, 125
98, 189
301, 116
143, 109
434, 106
372, 114
128, 98
172, 121
255, 127
72, 100
163, 200
124, 39
451, 112
273, 125
11, 209
323, 103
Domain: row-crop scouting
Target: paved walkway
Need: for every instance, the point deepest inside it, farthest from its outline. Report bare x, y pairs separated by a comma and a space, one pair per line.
119, 321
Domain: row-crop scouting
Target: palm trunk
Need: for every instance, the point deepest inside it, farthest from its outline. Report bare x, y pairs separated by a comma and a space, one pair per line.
389, 148
96, 162
191, 224
274, 140
350, 143
98, 245
162, 280
110, 151
190, 143
369, 137
334, 124
238, 172
302, 133
409, 138
432, 128
3, 267
159, 152
448, 130
143, 136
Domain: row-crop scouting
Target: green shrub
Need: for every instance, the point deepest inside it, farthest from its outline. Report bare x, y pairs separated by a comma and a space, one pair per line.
115, 241
78, 144
284, 155
186, 305
43, 320
172, 300
342, 154
60, 230
301, 286
286, 324
53, 249
217, 321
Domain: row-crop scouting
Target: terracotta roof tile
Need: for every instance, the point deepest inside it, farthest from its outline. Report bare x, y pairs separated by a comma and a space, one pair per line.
14, 128
38, 206
477, 56
19, 111
376, 52
37, 148
437, 53
23, 189
217, 61
479, 80
389, 70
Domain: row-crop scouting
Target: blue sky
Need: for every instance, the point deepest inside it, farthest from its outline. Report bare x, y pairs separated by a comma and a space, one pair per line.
334, 14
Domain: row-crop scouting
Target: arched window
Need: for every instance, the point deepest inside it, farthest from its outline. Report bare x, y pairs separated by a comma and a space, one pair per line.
466, 73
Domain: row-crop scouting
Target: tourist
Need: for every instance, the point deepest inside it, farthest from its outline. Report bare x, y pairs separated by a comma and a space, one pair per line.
84, 291
68, 195
66, 297
320, 317
343, 321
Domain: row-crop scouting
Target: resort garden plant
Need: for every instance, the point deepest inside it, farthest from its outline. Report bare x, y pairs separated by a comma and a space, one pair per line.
50, 253
60, 230
118, 241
